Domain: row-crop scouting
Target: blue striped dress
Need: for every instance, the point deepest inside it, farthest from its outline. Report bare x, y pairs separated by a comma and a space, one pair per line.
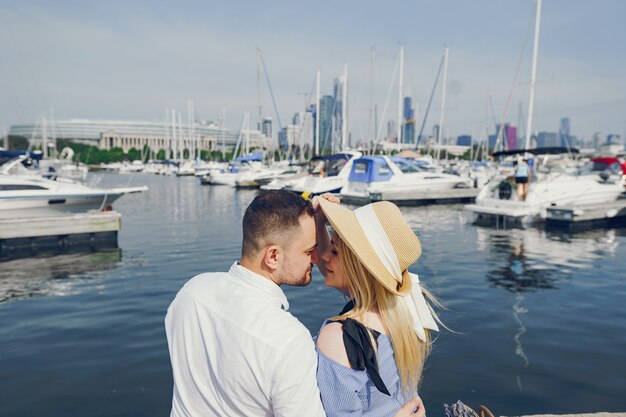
350, 392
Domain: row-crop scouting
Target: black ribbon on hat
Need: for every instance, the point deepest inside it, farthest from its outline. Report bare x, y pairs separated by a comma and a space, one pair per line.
359, 348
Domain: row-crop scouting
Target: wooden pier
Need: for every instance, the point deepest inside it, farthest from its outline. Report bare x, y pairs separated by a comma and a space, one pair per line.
53, 235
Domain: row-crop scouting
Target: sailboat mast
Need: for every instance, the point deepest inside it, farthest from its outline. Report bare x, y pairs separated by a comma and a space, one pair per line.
443, 101
258, 88
400, 88
317, 114
180, 144
533, 74
44, 138
223, 124
371, 106
344, 108
174, 143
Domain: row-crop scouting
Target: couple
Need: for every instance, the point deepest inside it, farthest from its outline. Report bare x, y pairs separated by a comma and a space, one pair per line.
237, 351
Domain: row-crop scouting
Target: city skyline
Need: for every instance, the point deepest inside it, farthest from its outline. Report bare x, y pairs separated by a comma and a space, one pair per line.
132, 61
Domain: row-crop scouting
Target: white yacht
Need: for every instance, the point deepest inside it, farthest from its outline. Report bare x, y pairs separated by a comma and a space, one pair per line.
33, 196
229, 175
265, 175
403, 181
327, 174
557, 181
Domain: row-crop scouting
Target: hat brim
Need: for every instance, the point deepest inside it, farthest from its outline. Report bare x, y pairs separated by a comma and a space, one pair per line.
348, 228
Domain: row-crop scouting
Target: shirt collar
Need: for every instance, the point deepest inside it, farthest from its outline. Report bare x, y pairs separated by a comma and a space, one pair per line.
261, 283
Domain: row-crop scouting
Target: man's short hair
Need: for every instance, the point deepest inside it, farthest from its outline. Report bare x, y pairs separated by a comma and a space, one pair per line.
270, 219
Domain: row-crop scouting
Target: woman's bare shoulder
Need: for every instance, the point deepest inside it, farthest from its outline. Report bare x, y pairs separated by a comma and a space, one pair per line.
330, 343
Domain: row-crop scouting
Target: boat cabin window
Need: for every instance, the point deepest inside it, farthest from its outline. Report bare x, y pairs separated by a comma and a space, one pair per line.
407, 167
601, 166
20, 187
384, 170
360, 167
334, 166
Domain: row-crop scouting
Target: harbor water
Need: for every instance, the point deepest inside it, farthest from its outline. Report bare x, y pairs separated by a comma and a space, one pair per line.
537, 318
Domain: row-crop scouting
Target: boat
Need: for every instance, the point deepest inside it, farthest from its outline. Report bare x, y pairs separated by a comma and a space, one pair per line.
404, 182
63, 166
131, 167
186, 169
557, 181
32, 196
326, 174
263, 176
251, 163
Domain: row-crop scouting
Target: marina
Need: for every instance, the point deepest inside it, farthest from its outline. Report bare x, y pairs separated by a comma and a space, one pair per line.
522, 306
499, 133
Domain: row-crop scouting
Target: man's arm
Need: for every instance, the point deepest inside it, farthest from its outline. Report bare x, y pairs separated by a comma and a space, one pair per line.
294, 383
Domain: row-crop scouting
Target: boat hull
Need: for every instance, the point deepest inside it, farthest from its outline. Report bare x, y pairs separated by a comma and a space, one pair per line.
20, 207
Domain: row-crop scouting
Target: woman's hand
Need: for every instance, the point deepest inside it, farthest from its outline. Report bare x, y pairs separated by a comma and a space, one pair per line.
414, 407
322, 238
319, 214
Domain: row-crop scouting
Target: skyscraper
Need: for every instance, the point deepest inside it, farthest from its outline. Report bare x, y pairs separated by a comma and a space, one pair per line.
564, 136
408, 131
508, 136
391, 131
337, 112
266, 127
326, 123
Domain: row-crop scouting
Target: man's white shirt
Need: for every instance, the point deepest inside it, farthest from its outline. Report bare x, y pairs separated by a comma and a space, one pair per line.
237, 351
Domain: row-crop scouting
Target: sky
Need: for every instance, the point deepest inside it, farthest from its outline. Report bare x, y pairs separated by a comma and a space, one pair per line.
133, 60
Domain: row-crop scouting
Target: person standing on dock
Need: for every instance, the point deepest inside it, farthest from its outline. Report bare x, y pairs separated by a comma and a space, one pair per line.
234, 347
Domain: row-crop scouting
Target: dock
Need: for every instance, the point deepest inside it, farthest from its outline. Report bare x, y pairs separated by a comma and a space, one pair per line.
453, 196
586, 215
53, 235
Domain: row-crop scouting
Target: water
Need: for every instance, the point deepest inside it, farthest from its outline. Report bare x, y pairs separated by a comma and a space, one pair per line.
537, 319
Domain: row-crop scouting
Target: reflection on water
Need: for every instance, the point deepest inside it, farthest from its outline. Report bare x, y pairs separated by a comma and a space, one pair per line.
36, 277
531, 259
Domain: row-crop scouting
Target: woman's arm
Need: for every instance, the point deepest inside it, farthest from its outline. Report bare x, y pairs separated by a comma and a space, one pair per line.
339, 386
330, 343
322, 237
340, 400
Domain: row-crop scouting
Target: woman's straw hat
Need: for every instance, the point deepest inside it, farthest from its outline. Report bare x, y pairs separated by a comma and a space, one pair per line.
406, 245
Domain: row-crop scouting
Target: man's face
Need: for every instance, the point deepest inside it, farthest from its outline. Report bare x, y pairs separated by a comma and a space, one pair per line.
300, 254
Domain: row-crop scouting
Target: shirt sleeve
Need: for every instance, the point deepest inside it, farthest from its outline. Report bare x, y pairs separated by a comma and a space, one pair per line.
294, 386
340, 388
185, 343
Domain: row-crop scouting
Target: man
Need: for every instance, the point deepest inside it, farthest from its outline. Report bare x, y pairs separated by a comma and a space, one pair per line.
234, 347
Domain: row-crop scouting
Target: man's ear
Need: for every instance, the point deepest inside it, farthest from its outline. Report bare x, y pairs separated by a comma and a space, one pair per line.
273, 257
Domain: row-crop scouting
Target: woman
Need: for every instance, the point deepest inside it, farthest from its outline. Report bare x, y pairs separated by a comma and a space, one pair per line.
371, 356
522, 179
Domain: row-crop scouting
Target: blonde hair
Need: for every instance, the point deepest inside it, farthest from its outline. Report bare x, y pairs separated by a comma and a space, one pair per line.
369, 294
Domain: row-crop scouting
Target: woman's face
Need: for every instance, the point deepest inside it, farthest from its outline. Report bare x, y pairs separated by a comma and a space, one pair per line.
335, 277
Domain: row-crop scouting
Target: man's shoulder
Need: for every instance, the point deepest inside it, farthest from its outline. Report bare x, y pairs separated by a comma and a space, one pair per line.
220, 295
203, 280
